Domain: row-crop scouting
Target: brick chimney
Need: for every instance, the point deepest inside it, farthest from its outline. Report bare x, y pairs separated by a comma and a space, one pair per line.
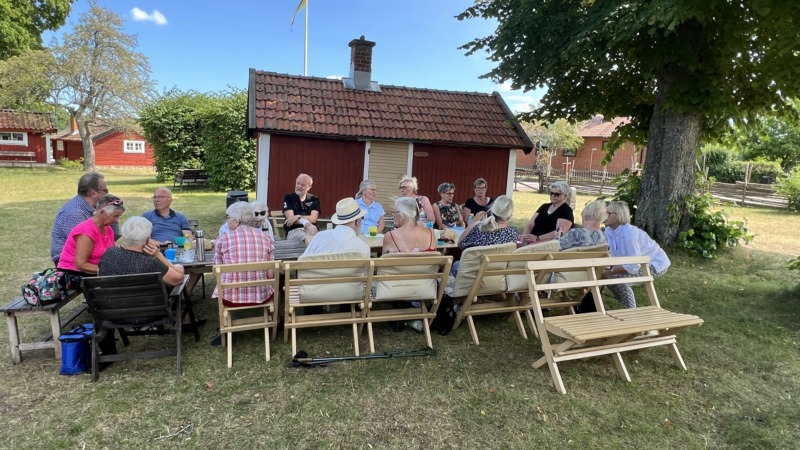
361, 65
73, 125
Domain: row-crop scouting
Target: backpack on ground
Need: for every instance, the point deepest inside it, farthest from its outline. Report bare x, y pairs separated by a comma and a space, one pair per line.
48, 286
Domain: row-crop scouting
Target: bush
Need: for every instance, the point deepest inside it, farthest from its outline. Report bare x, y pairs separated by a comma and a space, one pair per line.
789, 186
70, 164
727, 171
230, 154
628, 186
709, 230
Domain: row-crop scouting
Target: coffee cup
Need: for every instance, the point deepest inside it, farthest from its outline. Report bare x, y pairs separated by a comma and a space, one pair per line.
170, 254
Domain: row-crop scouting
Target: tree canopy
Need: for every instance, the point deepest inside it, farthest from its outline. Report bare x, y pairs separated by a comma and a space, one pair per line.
22, 23
98, 76
680, 69
777, 139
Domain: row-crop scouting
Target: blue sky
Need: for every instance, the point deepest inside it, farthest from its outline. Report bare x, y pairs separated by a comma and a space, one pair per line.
208, 46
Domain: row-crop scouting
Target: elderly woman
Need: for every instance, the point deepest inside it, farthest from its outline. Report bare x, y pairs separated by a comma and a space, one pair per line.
242, 244
625, 239
592, 216
489, 228
448, 214
375, 214
409, 235
480, 202
408, 188
552, 219
139, 254
261, 212
91, 238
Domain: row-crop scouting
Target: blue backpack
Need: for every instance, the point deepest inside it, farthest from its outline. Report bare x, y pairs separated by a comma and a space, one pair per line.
76, 350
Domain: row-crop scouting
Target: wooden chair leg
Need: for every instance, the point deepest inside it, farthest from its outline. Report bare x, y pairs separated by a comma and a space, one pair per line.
266, 343
370, 337
426, 328
556, 376
355, 338
532, 323
676, 355
13, 337
55, 324
230, 350
620, 365
95, 356
294, 341
520, 325
472, 331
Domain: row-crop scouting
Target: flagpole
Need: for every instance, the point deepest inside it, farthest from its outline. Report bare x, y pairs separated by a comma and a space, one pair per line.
305, 49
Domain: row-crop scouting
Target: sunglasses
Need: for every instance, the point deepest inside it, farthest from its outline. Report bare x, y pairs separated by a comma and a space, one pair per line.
261, 213
117, 202
556, 194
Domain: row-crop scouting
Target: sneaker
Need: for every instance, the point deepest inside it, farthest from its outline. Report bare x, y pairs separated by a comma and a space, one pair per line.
415, 325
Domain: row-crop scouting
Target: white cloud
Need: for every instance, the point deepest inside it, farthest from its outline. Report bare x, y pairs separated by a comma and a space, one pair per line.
142, 16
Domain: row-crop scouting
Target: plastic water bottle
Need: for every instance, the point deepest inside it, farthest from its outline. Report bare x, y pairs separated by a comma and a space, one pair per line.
470, 219
200, 245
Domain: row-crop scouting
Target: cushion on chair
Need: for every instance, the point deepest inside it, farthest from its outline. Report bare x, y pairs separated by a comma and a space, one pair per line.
407, 289
335, 291
520, 282
468, 270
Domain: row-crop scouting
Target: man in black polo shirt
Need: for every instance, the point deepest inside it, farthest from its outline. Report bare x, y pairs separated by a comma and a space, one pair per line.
301, 210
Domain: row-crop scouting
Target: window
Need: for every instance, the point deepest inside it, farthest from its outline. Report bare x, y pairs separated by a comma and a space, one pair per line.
568, 152
133, 147
60, 146
13, 138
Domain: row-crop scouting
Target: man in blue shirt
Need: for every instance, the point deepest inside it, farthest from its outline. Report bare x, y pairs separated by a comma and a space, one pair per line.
167, 224
91, 188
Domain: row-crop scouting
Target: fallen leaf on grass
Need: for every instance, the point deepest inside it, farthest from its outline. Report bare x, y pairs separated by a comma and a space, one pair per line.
667, 423
209, 385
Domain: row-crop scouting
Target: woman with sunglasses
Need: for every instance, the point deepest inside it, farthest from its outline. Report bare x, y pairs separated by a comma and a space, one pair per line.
262, 220
552, 219
91, 238
408, 188
448, 214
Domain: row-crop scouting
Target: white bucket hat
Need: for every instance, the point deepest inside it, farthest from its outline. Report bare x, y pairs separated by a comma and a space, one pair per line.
347, 210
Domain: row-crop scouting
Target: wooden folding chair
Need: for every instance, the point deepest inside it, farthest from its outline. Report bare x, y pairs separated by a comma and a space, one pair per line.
408, 277
326, 280
116, 301
248, 276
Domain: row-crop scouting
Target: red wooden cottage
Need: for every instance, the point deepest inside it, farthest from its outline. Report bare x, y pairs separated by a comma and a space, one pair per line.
23, 135
596, 133
112, 147
343, 131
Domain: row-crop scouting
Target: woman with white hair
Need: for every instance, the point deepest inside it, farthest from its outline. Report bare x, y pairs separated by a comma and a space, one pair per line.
261, 212
409, 235
375, 214
592, 216
552, 219
489, 228
91, 238
243, 244
408, 188
139, 254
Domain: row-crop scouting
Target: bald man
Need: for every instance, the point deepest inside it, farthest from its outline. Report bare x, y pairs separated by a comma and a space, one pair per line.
301, 209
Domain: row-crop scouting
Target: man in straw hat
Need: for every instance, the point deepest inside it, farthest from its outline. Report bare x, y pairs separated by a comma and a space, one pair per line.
345, 236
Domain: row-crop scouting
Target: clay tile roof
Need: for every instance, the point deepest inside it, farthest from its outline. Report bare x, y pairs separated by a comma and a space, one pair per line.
96, 131
288, 104
599, 127
27, 121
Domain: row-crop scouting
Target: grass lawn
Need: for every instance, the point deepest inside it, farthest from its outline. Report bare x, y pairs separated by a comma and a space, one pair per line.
741, 389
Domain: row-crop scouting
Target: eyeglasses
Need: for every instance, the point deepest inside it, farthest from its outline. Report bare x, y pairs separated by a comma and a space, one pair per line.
402, 188
104, 191
480, 188
160, 197
261, 213
449, 193
556, 194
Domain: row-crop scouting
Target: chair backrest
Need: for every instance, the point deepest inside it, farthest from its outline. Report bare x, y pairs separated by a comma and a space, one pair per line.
590, 248
249, 276
411, 276
126, 296
581, 253
326, 270
278, 218
519, 282
469, 266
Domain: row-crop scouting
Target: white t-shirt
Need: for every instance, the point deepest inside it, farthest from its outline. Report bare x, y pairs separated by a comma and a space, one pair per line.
342, 238
627, 240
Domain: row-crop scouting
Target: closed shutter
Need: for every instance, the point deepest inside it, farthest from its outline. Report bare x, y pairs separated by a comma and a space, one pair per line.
388, 162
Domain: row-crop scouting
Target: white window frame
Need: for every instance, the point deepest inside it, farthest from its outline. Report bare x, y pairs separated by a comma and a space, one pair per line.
60, 146
133, 147
23, 142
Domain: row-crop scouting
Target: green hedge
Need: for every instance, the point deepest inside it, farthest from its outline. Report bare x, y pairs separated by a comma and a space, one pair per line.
728, 171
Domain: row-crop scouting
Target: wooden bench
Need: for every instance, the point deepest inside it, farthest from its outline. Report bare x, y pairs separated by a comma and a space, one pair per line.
30, 155
190, 177
18, 307
603, 332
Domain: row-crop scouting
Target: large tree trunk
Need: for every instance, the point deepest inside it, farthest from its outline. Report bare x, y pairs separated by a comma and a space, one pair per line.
88, 147
672, 143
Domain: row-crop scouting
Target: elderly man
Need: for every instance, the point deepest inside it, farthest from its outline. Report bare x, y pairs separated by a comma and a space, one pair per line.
91, 188
345, 236
301, 209
167, 223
